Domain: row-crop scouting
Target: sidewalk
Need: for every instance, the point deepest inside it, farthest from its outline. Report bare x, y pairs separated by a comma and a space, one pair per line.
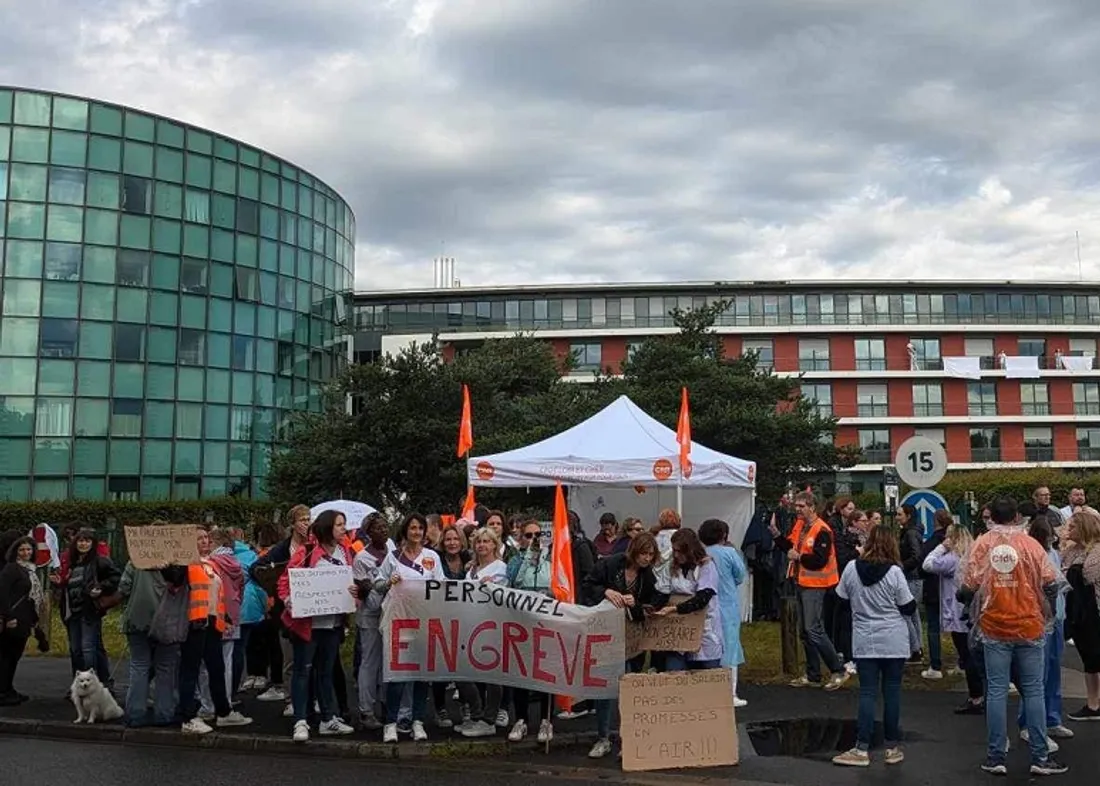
786, 736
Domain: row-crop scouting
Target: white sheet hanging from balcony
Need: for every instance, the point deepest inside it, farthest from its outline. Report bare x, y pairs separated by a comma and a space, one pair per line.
963, 367
1078, 365
1021, 367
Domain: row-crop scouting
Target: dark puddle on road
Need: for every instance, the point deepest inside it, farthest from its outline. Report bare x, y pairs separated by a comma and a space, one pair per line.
809, 737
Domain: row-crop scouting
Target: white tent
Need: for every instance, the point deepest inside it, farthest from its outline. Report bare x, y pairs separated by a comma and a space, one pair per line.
623, 461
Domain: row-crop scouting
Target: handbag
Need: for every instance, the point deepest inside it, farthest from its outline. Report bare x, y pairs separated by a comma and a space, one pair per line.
107, 602
171, 623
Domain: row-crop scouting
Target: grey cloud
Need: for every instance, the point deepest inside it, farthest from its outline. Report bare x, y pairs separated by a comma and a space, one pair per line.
637, 139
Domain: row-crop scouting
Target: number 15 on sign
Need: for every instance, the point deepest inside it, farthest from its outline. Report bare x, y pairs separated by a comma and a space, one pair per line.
921, 462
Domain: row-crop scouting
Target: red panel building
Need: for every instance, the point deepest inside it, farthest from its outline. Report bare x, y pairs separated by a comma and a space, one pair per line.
869, 353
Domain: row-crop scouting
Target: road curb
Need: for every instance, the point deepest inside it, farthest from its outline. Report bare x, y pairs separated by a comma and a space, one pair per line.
347, 747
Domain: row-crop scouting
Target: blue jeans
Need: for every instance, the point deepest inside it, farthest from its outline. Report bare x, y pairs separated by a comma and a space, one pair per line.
323, 648
86, 645
935, 644
604, 706
163, 660
1052, 679
239, 653
1000, 659
394, 692
871, 672
677, 661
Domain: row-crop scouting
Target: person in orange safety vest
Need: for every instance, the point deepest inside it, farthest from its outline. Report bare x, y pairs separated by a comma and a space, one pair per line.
811, 552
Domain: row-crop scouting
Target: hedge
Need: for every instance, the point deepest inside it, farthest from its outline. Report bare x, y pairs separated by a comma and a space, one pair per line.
108, 518
1019, 484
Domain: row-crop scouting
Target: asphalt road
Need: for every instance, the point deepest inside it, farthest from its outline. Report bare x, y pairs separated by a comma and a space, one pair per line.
55, 763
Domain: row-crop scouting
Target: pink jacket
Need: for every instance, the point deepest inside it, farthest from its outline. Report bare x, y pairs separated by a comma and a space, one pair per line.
303, 627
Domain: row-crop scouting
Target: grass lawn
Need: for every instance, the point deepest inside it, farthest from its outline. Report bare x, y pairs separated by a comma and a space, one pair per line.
761, 641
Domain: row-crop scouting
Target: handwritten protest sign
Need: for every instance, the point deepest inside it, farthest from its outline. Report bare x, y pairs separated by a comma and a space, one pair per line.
159, 546
461, 630
320, 590
672, 633
677, 720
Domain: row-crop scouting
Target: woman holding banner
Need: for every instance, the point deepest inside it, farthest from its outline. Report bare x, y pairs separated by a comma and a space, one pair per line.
530, 570
628, 582
316, 640
412, 562
694, 573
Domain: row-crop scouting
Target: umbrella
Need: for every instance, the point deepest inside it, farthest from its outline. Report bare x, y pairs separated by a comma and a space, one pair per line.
354, 512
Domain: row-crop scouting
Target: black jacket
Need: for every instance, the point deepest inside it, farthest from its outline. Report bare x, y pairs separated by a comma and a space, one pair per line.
610, 573
930, 594
816, 559
15, 599
847, 544
100, 573
584, 558
911, 541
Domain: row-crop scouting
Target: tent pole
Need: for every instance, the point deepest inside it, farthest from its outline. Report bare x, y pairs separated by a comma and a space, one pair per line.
680, 497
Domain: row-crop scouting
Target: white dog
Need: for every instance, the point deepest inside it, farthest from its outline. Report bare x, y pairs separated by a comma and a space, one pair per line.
92, 700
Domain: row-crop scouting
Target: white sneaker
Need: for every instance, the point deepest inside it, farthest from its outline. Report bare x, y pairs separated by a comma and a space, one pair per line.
518, 732
335, 727
546, 731
389, 733
572, 715
739, 702
932, 674
502, 719
248, 683
419, 735
259, 683
1061, 732
600, 749
274, 693
234, 719
301, 731
1052, 746
196, 726
478, 728
288, 711
850, 667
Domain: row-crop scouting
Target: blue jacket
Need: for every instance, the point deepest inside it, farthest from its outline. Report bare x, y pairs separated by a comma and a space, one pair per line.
254, 601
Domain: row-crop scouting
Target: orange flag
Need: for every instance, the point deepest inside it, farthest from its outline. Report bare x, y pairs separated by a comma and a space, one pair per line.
561, 564
683, 433
465, 426
468, 505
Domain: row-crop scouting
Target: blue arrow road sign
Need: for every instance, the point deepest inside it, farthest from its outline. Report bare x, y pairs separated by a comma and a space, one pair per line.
926, 502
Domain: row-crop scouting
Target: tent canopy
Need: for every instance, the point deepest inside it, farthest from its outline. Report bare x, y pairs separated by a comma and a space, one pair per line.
618, 446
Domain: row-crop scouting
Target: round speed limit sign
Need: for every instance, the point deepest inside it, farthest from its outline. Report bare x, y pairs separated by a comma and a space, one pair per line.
921, 463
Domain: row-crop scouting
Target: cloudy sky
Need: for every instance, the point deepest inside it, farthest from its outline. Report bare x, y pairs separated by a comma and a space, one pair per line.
603, 140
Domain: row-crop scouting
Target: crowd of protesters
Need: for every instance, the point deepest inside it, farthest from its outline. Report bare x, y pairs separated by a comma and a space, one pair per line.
204, 637
1011, 595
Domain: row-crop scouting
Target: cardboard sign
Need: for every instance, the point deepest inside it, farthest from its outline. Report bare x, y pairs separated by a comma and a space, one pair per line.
322, 590
674, 633
683, 719
438, 631
153, 547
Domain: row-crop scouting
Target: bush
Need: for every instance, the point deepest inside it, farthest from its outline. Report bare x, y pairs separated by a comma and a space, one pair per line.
988, 484
108, 518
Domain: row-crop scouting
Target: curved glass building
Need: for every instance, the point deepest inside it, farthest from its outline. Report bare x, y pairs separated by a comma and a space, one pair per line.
167, 297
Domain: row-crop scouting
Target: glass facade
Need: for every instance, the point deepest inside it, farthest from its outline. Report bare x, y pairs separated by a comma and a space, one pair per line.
452, 312
167, 297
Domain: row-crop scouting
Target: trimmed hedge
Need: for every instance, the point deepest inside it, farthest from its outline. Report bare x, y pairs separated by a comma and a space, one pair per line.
1017, 483
227, 511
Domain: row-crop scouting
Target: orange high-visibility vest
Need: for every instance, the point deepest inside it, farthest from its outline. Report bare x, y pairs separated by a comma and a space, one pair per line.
200, 578
354, 545
803, 538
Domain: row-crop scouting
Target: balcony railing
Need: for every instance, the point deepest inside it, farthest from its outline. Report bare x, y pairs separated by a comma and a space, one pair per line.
1088, 453
981, 410
817, 363
984, 455
1039, 452
873, 410
1035, 408
1086, 408
928, 410
876, 455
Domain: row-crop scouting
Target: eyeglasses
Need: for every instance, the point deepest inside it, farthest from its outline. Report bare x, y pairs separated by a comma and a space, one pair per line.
635, 529
529, 535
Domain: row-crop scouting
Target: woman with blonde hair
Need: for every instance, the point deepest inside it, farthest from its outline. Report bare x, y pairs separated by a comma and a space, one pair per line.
944, 564
1081, 558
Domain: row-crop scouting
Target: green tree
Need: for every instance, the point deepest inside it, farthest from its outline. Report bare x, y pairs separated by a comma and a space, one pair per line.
736, 408
397, 445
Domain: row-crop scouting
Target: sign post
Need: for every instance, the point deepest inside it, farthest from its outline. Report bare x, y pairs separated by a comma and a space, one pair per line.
921, 463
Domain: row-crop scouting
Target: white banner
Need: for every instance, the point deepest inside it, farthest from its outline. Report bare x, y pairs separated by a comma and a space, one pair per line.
462, 630
320, 590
